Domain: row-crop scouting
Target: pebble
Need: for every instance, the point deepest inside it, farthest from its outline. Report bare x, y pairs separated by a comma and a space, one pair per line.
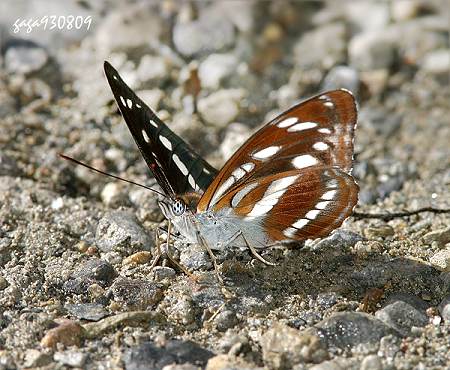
68, 333
121, 231
441, 260
3, 283
221, 107
162, 272
152, 69
149, 356
437, 62
342, 77
314, 49
368, 15
86, 311
371, 50
283, 347
371, 362
379, 231
215, 69
113, 195
224, 362
346, 330
195, 258
444, 309
401, 316
402, 10
205, 35
136, 293
235, 135
71, 358
389, 347
35, 358
138, 258
180, 309
91, 271
442, 236
225, 320
341, 238
151, 97
25, 58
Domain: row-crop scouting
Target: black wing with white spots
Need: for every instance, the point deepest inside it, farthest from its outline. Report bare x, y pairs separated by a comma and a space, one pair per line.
175, 165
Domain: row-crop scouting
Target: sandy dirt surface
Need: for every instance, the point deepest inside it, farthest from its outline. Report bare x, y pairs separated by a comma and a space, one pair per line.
76, 285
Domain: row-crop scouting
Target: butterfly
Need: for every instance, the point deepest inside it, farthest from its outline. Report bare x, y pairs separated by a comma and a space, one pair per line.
290, 181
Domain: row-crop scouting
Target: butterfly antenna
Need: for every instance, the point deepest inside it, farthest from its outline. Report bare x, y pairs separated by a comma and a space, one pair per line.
110, 175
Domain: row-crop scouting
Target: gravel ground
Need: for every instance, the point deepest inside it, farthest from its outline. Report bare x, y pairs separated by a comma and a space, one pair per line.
76, 285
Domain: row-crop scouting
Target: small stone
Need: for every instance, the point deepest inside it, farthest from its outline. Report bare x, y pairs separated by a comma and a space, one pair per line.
163, 272
437, 62
380, 231
92, 271
71, 358
371, 50
35, 358
224, 362
68, 333
342, 77
195, 258
149, 356
152, 98
283, 347
225, 320
221, 107
442, 236
138, 258
207, 34
368, 15
3, 283
137, 294
389, 347
25, 59
330, 365
235, 135
57, 203
87, 311
120, 231
180, 309
315, 49
152, 68
376, 80
371, 362
340, 238
441, 260
346, 330
402, 10
215, 68
401, 316
444, 309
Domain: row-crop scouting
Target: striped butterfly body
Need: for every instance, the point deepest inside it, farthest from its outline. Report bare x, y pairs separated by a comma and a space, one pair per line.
290, 181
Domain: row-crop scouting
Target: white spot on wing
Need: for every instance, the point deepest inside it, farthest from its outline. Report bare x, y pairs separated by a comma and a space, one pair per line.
320, 145
322, 205
291, 231
324, 130
238, 173
153, 123
280, 184
192, 182
266, 153
312, 214
129, 103
165, 142
180, 164
145, 136
138, 105
242, 193
260, 210
123, 101
247, 167
222, 189
329, 195
300, 223
287, 122
329, 104
303, 161
115, 77
302, 126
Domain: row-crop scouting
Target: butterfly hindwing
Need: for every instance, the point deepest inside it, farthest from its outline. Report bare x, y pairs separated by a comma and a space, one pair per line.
175, 165
293, 175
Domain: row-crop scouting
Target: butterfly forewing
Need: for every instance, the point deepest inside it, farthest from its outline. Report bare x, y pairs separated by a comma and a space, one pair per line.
175, 165
293, 175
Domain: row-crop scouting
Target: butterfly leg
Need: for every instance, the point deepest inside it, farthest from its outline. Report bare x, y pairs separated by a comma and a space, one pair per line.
176, 263
205, 245
158, 250
255, 253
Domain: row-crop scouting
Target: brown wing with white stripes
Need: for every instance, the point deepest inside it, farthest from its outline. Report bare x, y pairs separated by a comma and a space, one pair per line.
294, 173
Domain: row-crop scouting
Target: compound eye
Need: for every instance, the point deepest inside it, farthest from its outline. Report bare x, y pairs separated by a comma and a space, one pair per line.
178, 207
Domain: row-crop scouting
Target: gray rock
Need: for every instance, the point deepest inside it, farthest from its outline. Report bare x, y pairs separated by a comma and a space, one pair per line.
87, 311
36, 358
71, 358
346, 330
444, 309
441, 236
25, 59
389, 347
340, 238
209, 33
215, 68
368, 15
315, 49
410, 299
441, 259
152, 68
221, 107
225, 320
235, 135
371, 362
342, 77
401, 316
136, 293
92, 271
120, 231
372, 50
148, 356
194, 257
162, 272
